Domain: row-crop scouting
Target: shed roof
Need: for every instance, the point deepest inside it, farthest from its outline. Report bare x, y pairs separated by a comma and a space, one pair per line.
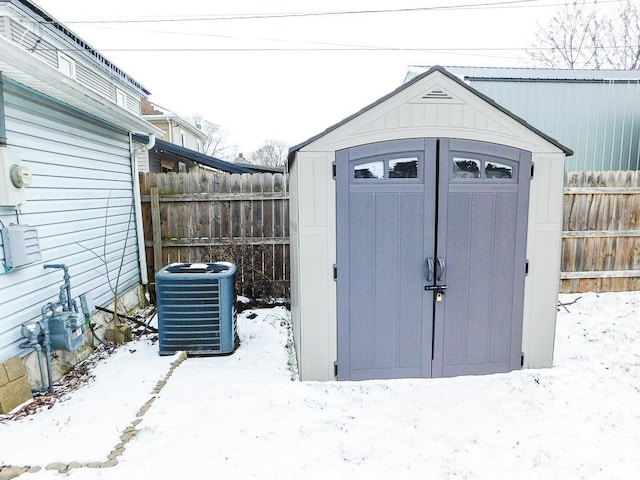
414, 80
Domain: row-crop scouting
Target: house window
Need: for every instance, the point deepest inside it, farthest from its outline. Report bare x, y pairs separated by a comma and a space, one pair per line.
121, 98
183, 138
166, 166
66, 65
182, 167
199, 145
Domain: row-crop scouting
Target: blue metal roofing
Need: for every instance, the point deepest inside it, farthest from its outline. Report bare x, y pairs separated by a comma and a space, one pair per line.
198, 157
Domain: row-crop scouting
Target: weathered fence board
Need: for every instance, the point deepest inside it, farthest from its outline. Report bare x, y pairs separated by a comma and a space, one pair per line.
601, 238
208, 216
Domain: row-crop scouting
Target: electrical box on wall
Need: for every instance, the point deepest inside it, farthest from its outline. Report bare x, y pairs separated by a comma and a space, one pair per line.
21, 245
14, 177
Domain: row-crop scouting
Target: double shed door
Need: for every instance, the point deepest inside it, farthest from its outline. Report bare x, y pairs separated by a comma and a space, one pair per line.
431, 245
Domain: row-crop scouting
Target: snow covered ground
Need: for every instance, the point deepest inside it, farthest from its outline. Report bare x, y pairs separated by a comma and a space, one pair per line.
243, 416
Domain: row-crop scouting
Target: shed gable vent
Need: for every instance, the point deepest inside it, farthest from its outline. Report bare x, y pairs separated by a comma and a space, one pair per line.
435, 94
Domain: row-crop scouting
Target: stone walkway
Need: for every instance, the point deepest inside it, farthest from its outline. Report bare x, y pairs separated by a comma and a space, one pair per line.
9, 472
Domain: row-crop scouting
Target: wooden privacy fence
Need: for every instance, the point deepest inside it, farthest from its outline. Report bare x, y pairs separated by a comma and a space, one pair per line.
209, 216
601, 238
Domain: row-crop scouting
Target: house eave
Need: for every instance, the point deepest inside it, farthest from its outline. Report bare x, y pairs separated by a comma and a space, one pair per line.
179, 120
29, 11
20, 66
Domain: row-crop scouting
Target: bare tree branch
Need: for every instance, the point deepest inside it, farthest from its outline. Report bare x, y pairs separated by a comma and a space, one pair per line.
572, 39
583, 35
215, 142
272, 153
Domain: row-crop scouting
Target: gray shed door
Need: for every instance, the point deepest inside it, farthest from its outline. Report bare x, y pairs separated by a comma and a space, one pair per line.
431, 258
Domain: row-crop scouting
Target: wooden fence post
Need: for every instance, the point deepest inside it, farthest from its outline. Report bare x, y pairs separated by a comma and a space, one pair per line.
157, 232
210, 216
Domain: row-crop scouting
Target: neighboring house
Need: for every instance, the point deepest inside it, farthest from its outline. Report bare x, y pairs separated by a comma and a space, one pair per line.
176, 129
67, 115
181, 148
594, 112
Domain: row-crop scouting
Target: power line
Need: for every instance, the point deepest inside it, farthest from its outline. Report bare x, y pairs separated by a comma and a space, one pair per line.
338, 46
201, 18
294, 49
326, 49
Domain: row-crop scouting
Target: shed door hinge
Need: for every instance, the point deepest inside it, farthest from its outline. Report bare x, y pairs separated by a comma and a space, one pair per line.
335, 272
333, 169
532, 168
526, 267
522, 359
335, 369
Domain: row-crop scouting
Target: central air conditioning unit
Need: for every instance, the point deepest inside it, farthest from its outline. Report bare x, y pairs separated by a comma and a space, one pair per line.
196, 308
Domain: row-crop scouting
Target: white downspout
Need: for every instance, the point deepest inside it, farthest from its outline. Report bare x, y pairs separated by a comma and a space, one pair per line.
170, 130
137, 204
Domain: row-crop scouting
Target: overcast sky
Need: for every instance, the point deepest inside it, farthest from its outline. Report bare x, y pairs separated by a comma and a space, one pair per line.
289, 78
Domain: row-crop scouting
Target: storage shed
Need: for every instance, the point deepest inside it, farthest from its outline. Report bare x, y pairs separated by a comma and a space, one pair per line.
425, 238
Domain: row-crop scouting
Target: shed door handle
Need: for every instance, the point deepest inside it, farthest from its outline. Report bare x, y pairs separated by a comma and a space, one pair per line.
429, 268
441, 269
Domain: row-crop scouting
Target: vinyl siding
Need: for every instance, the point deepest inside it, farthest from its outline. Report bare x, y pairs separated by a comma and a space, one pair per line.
82, 188
91, 79
92, 76
33, 43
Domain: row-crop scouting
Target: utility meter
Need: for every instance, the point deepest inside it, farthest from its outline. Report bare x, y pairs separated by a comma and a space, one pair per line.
13, 178
20, 176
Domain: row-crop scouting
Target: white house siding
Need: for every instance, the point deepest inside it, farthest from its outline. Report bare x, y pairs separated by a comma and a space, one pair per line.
34, 43
32, 37
134, 105
91, 79
79, 165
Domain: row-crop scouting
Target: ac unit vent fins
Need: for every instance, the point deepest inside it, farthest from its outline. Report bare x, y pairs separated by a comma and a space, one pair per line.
196, 309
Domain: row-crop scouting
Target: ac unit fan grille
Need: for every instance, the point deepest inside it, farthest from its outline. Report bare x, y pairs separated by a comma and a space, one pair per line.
192, 316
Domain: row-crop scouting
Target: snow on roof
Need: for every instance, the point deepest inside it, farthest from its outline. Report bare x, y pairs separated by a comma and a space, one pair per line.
513, 73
